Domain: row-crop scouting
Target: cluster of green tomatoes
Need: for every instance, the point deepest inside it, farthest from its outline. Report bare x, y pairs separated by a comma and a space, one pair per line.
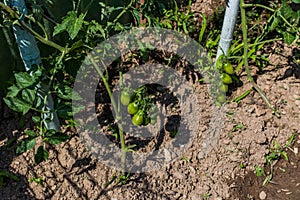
140, 106
227, 72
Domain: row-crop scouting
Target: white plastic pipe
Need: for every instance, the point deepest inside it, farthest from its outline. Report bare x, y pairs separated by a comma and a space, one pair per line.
30, 55
230, 17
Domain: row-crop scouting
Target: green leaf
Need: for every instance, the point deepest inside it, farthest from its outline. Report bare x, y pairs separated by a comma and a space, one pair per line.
41, 155
63, 110
296, 1
71, 23
288, 37
36, 119
8, 175
286, 10
13, 91
31, 133
277, 145
24, 80
66, 92
285, 156
26, 144
274, 24
58, 138
50, 132
28, 95
76, 45
17, 104
136, 15
290, 141
94, 27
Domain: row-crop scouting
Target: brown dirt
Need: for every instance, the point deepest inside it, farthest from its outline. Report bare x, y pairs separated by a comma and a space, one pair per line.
249, 132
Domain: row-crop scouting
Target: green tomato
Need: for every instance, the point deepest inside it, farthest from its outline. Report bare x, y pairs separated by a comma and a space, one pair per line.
228, 68
133, 107
226, 78
223, 88
138, 118
221, 98
125, 97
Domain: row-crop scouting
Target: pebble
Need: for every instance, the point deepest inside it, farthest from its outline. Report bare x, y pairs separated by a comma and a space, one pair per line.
262, 195
296, 150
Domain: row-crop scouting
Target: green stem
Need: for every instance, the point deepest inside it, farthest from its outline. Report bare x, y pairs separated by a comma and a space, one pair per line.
42, 39
272, 10
115, 108
15, 15
48, 91
123, 12
256, 87
255, 44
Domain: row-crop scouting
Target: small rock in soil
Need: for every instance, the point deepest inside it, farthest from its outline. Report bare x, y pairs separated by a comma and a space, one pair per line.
262, 195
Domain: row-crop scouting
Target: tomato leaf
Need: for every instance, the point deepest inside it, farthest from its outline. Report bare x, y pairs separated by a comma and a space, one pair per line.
28, 95
26, 144
288, 37
24, 79
17, 104
58, 138
36, 119
274, 24
31, 133
136, 15
71, 23
66, 92
63, 109
13, 91
41, 155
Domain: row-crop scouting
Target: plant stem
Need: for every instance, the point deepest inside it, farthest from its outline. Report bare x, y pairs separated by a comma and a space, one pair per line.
115, 108
123, 11
42, 39
15, 15
48, 91
272, 10
256, 87
256, 44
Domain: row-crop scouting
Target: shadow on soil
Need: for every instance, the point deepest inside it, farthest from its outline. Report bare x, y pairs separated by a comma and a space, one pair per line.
10, 123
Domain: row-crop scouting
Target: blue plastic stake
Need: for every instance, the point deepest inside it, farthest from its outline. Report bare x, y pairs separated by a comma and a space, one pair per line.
230, 17
30, 55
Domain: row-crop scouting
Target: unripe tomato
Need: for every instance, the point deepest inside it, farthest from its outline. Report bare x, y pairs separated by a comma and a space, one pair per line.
221, 98
138, 118
133, 107
223, 87
228, 68
125, 97
226, 78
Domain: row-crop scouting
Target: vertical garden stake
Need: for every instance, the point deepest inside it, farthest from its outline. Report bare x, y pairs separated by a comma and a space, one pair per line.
232, 7
30, 55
